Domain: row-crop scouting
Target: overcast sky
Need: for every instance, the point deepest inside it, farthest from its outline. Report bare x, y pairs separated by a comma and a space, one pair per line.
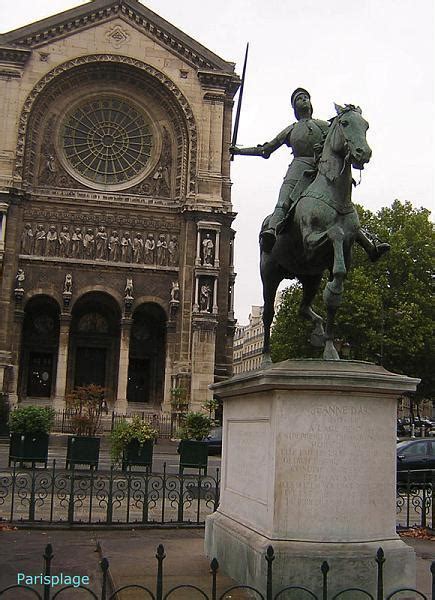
378, 54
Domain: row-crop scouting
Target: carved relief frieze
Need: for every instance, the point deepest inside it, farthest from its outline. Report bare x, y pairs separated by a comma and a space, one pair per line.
100, 243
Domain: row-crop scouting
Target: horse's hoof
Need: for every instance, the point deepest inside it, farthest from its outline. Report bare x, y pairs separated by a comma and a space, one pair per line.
330, 353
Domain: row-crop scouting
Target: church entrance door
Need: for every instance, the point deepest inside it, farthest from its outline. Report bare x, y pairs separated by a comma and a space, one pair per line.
90, 366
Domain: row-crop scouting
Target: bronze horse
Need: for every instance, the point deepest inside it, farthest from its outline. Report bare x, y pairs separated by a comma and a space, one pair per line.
319, 231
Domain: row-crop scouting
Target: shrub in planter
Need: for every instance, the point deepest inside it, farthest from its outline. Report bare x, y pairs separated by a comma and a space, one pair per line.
133, 443
29, 427
85, 405
193, 451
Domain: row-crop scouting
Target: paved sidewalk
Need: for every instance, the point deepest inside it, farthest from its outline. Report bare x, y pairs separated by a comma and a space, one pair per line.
131, 556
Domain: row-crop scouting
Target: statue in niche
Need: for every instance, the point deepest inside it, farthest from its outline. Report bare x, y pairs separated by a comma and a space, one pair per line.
162, 250
76, 243
114, 247
40, 240
52, 241
126, 248
64, 242
101, 243
67, 286
207, 250
27, 239
173, 251
19, 279
157, 180
138, 247
128, 292
175, 292
49, 169
89, 244
150, 246
205, 298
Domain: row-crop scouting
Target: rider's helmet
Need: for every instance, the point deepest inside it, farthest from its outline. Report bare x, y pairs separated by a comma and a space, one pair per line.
294, 96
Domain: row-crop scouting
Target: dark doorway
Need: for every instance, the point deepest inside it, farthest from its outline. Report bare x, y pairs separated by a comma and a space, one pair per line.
90, 366
40, 341
146, 365
138, 389
94, 343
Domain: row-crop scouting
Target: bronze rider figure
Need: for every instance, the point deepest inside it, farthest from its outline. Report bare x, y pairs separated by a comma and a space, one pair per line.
305, 137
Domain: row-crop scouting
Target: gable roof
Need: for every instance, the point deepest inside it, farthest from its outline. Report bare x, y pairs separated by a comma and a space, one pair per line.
133, 12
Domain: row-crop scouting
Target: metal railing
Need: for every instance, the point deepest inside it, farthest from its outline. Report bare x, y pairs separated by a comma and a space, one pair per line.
74, 497
111, 497
267, 593
164, 423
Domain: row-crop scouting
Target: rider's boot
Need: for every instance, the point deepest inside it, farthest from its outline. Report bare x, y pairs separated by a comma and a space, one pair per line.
372, 245
267, 240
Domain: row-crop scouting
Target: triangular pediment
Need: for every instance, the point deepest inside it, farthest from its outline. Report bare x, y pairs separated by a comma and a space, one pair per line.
136, 14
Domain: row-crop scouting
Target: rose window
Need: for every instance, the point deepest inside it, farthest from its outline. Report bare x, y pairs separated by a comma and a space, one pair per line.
107, 141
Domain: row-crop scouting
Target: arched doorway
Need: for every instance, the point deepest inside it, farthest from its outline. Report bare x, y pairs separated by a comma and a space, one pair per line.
39, 350
146, 364
94, 342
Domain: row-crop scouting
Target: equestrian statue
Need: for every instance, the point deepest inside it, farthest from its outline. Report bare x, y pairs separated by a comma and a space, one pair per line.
314, 224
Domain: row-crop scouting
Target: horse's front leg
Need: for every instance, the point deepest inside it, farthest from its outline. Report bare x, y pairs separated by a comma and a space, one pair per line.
333, 291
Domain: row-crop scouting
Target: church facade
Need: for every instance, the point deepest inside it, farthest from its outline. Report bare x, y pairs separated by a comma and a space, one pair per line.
116, 244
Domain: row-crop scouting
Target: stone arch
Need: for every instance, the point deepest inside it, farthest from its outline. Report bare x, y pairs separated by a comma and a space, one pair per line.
147, 355
103, 289
93, 353
39, 347
64, 77
151, 300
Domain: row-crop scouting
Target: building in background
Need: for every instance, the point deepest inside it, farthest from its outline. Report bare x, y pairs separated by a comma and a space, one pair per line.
116, 243
248, 340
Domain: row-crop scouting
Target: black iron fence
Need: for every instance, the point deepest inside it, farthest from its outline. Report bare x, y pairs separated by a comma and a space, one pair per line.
160, 592
74, 497
111, 497
166, 424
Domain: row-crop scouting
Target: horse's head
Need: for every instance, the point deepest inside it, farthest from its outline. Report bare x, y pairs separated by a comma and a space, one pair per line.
350, 135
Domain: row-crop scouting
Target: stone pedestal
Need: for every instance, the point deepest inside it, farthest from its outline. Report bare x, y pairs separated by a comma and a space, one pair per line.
309, 467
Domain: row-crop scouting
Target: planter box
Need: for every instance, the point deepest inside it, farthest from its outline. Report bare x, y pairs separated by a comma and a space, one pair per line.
82, 450
24, 447
138, 455
193, 455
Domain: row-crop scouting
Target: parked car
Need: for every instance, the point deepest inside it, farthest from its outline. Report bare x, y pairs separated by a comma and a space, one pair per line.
416, 457
214, 441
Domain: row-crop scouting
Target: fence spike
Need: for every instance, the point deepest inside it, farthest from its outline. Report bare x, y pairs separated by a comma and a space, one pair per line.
104, 564
48, 554
324, 568
270, 554
214, 565
160, 555
380, 556
380, 559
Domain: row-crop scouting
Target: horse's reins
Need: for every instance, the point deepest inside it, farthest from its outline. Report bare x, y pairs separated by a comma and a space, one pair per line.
347, 157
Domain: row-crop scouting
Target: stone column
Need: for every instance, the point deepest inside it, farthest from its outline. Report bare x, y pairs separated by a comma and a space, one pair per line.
203, 358
62, 362
121, 401
309, 467
16, 357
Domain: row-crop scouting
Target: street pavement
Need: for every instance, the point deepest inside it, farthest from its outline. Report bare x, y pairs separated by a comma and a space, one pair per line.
131, 555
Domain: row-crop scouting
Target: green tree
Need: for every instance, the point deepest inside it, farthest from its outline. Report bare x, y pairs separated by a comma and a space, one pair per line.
387, 313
